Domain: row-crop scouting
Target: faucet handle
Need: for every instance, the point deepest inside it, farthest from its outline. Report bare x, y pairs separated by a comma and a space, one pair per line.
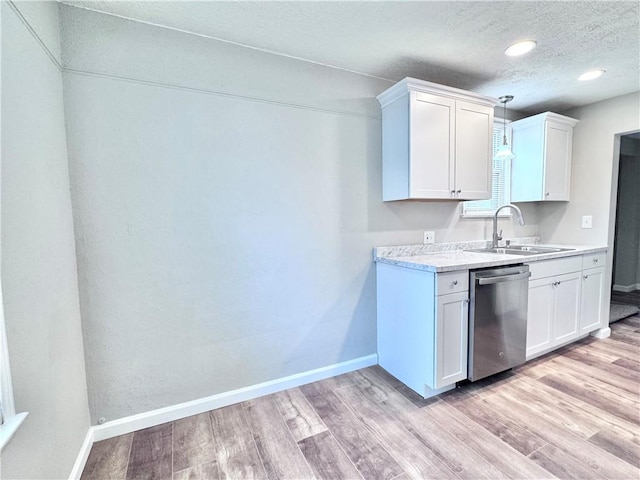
500, 235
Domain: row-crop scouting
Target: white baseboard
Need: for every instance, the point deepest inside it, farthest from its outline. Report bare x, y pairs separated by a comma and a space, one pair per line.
81, 459
182, 410
201, 405
626, 288
601, 333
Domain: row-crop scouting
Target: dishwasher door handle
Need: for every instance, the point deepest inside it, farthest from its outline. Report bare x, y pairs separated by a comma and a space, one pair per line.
502, 278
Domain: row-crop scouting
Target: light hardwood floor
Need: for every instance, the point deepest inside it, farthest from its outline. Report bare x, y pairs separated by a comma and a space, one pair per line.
574, 413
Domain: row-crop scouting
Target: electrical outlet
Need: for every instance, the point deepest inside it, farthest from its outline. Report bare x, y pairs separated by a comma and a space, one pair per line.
429, 237
587, 221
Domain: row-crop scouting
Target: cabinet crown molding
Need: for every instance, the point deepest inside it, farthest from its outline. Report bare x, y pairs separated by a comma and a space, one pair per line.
409, 84
541, 117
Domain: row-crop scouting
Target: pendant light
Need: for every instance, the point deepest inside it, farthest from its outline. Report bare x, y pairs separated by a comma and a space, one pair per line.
504, 151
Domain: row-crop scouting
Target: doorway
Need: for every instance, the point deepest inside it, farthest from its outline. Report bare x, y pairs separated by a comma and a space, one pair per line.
625, 280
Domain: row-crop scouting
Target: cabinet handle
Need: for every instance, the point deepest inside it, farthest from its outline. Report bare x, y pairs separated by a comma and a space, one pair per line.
453, 193
559, 283
459, 191
546, 194
595, 260
585, 276
467, 301
454, 283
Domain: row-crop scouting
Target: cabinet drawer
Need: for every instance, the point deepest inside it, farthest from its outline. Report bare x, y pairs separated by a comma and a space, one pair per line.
550, 268
594, 260
452, 282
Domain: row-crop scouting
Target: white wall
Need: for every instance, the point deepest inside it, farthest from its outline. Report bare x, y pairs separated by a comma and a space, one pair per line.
226, 202
38, 254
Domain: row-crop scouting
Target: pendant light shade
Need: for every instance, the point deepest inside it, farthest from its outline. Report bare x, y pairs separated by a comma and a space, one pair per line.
504, 151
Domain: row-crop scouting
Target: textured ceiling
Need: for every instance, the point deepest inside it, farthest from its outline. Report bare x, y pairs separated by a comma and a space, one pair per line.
460, 44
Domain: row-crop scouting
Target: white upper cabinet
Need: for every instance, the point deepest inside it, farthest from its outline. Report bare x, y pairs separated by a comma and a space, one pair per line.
474, 151
436, 142
541, 170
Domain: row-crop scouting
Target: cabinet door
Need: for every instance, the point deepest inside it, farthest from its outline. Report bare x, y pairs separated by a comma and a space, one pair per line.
527, 169
431, 146
557, 164
591, 299
452, 330
473, 151
539, 316
566, 301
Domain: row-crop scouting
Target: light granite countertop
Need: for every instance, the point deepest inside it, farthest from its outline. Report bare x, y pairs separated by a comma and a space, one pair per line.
456, 256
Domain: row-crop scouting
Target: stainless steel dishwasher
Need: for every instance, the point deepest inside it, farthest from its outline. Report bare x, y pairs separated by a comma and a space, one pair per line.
497, 319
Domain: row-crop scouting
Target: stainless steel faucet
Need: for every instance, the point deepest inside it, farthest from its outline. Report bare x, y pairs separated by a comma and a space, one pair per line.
497, 237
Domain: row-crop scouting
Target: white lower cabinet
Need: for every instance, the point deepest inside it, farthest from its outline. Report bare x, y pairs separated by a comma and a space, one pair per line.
591, 308
423, 317
566, 304
552, 317
539, 317
423, 336
452, 338
565, 301
554, 304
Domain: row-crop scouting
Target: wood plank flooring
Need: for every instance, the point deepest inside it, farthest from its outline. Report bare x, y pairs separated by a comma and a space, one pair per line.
574, 413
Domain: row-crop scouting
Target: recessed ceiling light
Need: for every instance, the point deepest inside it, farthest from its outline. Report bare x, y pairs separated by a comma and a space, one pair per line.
520, 48
591, 75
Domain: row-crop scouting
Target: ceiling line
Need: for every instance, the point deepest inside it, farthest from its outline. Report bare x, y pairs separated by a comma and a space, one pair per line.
264, 50
175, 86
34, 34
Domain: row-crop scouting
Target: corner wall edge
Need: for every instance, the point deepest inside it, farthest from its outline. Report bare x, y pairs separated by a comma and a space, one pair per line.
83, 455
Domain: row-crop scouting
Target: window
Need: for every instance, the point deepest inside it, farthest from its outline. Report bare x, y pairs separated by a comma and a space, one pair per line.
501, 178
9, 420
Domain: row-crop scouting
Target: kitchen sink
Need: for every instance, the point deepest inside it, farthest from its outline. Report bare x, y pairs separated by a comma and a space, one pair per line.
503, 251
538, 248
521, 250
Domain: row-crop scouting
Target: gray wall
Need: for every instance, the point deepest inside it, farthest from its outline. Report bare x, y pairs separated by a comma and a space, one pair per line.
627, 254
38, 254
226, 202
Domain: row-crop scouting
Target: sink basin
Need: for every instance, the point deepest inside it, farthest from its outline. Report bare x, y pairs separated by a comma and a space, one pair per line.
538, 248
522, 250
503, 251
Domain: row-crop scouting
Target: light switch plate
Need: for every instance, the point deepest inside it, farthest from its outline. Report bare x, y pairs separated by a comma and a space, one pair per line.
429, 237
587, 221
